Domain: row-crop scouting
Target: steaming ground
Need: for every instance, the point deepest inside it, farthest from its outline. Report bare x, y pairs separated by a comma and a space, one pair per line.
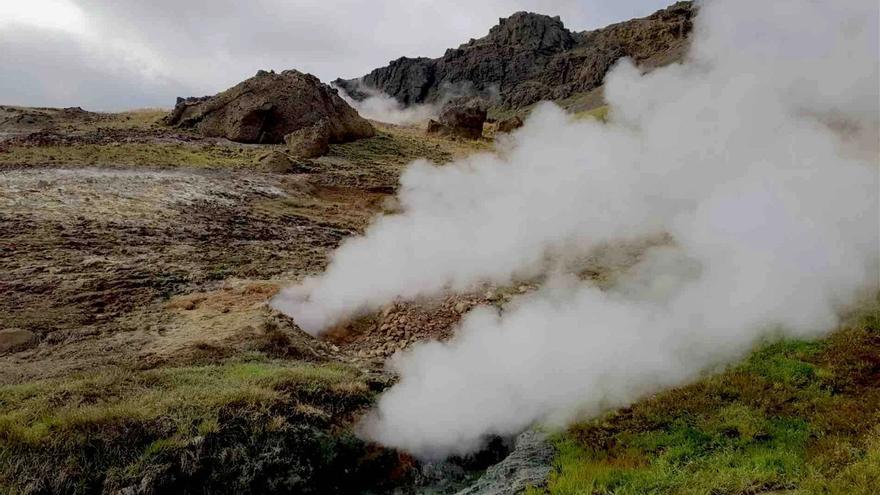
384, 108
758, 156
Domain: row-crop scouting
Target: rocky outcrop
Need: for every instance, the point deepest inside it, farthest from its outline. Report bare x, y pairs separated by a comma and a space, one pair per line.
509, 125
530, 57
273, 108
463, 117
528, 466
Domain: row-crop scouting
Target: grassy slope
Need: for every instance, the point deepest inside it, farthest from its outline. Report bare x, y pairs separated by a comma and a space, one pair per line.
796, 416
247, 425
392, 146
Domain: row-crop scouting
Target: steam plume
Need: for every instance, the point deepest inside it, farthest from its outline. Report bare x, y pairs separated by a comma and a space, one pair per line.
384, 108
759, 156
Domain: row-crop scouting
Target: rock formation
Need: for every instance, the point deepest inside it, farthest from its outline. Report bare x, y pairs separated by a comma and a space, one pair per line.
529, 57
463, 117
510, 125
287, 107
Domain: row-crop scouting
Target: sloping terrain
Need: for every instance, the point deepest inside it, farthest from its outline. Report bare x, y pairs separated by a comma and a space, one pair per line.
138, 261
796, 417
530, 57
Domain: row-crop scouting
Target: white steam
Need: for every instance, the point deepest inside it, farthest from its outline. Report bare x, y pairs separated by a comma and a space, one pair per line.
759, 157
384, 108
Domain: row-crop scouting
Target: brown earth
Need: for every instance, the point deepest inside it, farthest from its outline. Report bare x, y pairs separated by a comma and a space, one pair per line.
131, 255
142, 266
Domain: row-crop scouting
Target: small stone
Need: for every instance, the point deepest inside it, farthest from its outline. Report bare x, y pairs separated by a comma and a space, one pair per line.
460, 307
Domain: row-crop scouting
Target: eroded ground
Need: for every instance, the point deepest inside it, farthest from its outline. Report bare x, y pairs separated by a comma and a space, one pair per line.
136, 266
111, 262
138, 353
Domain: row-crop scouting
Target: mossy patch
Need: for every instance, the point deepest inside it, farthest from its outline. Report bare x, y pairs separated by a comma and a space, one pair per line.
117, 426
795, 416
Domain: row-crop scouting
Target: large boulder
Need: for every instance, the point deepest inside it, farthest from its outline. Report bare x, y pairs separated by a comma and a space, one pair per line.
273, 108
462, 117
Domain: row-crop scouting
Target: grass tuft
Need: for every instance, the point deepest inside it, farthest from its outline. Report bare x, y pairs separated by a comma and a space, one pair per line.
796, 417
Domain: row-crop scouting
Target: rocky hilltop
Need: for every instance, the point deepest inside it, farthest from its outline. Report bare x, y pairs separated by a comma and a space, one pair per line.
529, 57
274, 107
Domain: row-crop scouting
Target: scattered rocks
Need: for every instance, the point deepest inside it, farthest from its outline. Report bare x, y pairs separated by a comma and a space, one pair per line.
16, 339
274, 107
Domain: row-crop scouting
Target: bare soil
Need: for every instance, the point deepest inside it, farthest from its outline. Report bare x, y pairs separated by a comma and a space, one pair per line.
142, 266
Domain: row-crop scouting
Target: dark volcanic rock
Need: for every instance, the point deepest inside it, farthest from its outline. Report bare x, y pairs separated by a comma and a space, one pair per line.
274, 108
463, 117
529, 57
527, 466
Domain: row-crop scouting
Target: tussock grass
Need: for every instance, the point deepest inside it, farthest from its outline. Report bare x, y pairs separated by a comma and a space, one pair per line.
124, 422
796, 416
136, 154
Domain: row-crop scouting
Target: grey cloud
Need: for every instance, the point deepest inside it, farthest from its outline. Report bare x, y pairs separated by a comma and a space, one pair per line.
52, 68
203, 46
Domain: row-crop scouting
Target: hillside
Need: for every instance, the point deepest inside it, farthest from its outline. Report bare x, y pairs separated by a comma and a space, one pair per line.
161, 282
529, 57
673, 291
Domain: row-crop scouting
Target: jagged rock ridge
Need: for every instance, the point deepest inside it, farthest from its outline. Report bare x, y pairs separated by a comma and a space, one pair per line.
528, 57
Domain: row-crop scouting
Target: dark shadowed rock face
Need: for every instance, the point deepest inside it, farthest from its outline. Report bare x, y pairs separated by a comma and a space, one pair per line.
530, 57
274, 108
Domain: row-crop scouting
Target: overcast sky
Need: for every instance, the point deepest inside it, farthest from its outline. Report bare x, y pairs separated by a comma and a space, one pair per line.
117, 54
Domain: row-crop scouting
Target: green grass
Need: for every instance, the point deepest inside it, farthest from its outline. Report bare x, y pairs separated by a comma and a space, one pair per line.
600, 113
796, 416
121, 421
135, 154
44, 411
392, 147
